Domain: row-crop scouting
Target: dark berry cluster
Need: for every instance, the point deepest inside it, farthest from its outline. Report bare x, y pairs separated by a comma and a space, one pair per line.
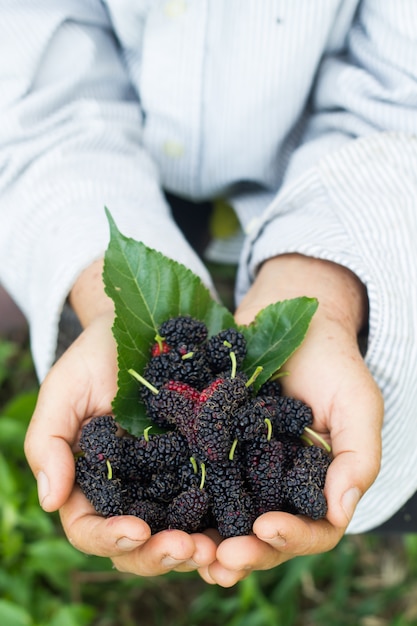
227, 454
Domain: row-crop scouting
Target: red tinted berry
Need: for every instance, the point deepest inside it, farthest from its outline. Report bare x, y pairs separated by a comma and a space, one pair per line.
159, 348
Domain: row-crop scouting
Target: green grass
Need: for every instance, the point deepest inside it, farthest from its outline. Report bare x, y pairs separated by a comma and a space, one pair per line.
365, 581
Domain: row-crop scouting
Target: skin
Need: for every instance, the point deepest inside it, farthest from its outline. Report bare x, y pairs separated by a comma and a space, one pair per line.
327, 372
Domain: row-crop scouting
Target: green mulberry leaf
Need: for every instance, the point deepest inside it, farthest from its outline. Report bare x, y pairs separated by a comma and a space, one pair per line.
276, 332
147, 288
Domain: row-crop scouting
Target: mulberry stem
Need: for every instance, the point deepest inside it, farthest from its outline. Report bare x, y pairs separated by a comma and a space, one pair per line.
320, 439
194, 464
269, 426
159, 340
203, 475
234, 364
307, 440
232, 450
254, 376
143, 381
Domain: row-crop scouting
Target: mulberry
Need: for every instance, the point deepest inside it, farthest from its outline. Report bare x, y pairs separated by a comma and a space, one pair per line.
99, 442
232, 505
184, 333
153, 513
188, 510
215, 416
162, 487
219, 347
291, 416
265, 462
157, 453
304, 482
105, 494
251, 420
271, 388
175, 402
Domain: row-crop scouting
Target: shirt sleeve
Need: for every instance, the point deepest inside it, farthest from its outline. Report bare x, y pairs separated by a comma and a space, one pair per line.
350, 196
70, 143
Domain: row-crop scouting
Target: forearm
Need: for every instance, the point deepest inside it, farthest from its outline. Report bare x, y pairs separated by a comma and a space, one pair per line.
88, 298
341, 295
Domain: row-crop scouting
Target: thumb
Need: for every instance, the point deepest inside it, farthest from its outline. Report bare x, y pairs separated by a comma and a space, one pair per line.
343, 490
82, 383
356, 448
55, 480
48, 450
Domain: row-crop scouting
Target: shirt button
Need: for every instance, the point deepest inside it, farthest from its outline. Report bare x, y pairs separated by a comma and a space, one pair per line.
175, 8
173, 149
252, 225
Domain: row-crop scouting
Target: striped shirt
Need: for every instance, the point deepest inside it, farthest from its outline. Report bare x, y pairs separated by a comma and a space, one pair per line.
302, 113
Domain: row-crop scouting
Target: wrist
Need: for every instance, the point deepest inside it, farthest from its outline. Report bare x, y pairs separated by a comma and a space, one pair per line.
341, 295
88, 298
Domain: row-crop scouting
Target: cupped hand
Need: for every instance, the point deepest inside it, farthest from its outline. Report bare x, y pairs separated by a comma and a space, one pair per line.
80, 385
328, 373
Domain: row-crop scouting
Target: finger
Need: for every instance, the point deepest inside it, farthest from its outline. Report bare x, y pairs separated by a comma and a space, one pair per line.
93, 534
116, 536
217, 574
54, 428
54, 484
247, 553
166, 551
55, 470
237, 557
205, 575
278, 537
293, 535
204, 554
64, 402
216, 540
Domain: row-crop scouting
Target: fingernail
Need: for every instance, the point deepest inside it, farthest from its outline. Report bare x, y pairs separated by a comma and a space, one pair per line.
168, 561
350, 500
127, 544
279, 541
43, 487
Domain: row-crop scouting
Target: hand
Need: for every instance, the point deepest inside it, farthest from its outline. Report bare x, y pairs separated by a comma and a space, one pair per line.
80, 385
328, 373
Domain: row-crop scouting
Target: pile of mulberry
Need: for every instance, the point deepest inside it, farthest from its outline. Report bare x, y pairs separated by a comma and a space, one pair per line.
226, 455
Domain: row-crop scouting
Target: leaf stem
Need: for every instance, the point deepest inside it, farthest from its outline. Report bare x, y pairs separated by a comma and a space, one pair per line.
279, 375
